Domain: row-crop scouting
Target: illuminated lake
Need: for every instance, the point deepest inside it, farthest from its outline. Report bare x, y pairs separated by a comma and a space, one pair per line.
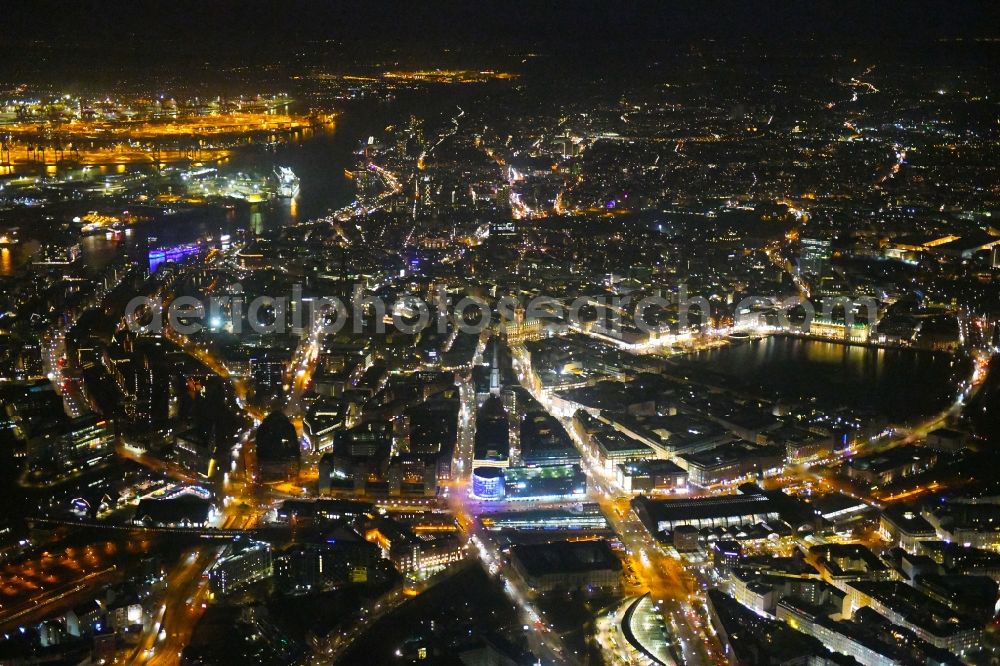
900, 383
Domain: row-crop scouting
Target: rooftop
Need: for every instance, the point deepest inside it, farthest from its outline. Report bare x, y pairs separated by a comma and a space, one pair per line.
566, 557
704, 507
907, 520
919, 609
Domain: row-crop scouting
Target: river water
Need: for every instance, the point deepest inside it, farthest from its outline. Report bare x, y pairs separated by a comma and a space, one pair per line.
318, 156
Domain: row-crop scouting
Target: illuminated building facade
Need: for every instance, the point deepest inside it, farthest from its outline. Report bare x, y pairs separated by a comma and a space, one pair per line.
411, 554
646, 476
244, 562
488, 483
545, 483
589, 517
840, 330
85, 442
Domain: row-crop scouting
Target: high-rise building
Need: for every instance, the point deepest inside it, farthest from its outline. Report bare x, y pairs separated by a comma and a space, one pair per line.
366, 184
814, 258
276, 448
85, 442
492, 445
267, 369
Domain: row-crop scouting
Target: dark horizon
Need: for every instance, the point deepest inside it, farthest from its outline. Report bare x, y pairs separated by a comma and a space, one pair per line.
205, 27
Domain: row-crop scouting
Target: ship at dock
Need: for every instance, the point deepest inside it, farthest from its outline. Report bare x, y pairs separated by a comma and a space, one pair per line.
288, 182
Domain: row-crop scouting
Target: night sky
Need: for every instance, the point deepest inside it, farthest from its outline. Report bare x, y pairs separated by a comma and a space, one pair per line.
248, 25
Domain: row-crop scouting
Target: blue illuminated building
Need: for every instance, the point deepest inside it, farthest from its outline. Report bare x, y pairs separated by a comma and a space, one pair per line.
487, 483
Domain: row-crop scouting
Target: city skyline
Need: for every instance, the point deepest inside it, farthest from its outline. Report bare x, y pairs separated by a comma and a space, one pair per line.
481, 333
